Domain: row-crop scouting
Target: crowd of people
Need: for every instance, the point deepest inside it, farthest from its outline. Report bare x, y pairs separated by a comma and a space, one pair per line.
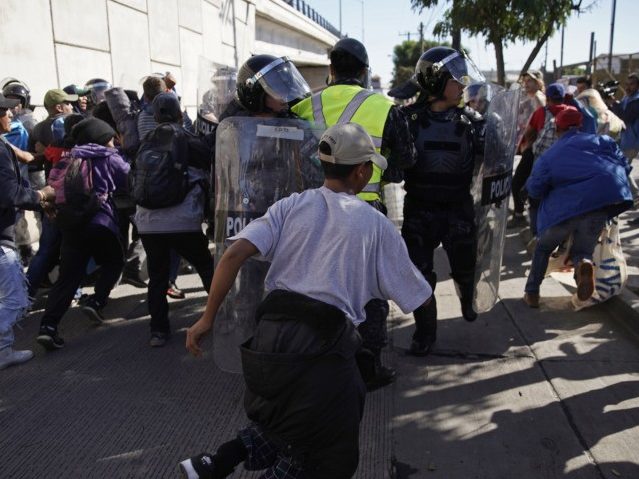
114, 179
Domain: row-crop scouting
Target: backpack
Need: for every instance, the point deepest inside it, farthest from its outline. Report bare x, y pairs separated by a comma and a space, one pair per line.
159, 175
75, 201
547, 136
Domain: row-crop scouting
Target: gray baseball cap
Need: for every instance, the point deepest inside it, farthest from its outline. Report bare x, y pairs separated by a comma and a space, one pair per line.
349, 144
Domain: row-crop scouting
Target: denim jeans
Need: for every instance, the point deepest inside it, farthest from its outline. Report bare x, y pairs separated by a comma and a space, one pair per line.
13, 294
47, 255
585, 230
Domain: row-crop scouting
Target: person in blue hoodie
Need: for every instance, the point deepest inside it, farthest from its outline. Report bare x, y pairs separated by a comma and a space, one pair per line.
581, 182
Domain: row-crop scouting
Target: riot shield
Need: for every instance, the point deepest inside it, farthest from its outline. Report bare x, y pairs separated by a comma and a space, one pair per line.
215, 91
491, 190
258, 161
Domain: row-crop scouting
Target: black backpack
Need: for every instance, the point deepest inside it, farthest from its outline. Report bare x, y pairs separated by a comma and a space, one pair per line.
159, 175
76, 203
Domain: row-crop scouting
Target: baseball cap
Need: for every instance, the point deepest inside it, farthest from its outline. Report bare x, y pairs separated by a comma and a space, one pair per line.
568, 117
349, 144
8, 102
57, 96
534, 74
556, 91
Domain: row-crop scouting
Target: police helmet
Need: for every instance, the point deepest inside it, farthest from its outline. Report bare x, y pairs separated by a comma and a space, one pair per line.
75, 90
354, 48
96, 88
264, 75
18, 89
439, 64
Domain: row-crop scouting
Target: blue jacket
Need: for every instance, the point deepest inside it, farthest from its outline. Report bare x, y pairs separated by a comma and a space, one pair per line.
578, 174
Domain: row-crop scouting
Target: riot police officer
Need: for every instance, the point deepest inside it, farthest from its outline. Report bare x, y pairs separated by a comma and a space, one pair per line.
349, 99
263, 154
438, 207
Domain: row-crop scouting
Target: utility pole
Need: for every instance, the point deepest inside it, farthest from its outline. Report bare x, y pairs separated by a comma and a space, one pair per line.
612, 35
561, 57
546, 58
405, 34
590, 56
421, 36
363, 38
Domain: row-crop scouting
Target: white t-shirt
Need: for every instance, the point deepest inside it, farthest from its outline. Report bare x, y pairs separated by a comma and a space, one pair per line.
336, 248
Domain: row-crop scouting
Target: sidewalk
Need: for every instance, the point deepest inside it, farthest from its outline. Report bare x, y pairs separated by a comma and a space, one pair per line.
519, 393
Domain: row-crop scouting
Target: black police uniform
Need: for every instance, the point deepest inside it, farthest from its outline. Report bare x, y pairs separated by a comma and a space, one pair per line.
438, 207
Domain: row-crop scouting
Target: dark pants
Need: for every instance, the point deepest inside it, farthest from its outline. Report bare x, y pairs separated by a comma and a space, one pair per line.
191, 246
77, 249
426, 225
373, 330
135, 254
524, 168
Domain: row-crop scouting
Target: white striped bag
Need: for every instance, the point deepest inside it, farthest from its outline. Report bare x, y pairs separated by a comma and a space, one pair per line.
611, 270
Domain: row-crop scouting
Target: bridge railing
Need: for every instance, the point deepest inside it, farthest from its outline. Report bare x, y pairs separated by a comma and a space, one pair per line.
305, 9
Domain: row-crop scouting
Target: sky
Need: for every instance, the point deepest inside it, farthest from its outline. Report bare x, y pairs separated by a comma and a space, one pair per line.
384, 20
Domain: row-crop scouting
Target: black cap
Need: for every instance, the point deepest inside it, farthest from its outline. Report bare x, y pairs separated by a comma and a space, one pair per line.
8, 102
354, 48
92, 130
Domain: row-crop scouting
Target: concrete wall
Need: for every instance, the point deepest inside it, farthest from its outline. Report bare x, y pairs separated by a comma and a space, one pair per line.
71, 41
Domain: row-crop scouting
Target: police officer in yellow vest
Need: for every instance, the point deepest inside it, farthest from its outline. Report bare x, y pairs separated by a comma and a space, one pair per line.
348, 99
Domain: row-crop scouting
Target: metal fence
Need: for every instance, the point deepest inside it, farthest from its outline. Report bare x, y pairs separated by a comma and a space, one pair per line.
305, 9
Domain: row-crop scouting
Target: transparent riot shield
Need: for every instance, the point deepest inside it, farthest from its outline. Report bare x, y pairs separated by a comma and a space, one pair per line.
215, 91
491, 192
258, 161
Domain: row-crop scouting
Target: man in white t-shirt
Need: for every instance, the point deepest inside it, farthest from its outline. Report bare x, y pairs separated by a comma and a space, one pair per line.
330, 254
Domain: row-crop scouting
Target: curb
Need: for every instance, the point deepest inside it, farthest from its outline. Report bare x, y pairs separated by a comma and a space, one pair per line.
625, 308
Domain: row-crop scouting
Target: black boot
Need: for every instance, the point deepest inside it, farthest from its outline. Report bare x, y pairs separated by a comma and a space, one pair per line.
425, 329
374, 374
467, 291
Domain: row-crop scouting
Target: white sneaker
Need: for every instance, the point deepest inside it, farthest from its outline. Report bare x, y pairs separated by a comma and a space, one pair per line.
9, 356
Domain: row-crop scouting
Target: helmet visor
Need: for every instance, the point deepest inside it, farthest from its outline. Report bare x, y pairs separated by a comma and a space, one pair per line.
96, 90
461, 68
282, 81
216, 88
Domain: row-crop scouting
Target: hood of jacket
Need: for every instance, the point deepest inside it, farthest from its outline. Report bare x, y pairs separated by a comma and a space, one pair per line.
93, 151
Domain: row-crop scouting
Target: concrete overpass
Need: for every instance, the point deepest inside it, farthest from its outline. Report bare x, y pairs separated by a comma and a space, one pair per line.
53, 43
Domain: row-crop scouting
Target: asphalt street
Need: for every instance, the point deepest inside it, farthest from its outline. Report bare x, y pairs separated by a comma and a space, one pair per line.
520, 393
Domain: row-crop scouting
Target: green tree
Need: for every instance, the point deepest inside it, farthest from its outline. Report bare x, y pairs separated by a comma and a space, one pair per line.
405, 56
505, 21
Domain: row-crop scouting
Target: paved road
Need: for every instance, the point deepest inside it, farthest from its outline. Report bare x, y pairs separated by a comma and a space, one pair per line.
517, 394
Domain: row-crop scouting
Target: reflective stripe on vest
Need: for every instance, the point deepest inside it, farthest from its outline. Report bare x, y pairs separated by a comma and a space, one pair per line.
372, 188
343, 103
318, 113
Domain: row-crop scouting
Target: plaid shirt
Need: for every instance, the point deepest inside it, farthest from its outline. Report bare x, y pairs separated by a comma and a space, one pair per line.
264, 454
547, 136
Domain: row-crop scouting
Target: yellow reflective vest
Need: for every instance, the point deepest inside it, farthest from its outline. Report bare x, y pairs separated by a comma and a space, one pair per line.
350, 103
